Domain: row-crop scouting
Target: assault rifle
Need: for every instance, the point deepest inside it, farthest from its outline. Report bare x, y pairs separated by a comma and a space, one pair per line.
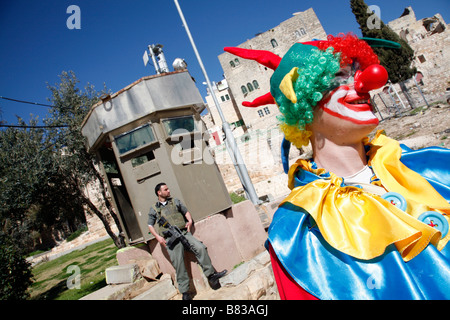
174, 235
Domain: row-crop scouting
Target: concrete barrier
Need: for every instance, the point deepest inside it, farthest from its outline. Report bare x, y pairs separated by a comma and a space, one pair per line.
127, 273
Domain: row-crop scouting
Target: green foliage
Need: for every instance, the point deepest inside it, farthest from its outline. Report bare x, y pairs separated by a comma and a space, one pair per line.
396, 61
44, 172
236, 198
77, 233
15, 272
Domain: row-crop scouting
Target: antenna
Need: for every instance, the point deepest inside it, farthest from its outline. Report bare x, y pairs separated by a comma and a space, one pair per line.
158, 58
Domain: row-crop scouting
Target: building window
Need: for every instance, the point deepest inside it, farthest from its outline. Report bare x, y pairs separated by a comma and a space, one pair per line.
422, 58
238, 124
250, 87
419, 78
135, 138
179, 125
274, 43
234, 63
227, 97
266, 110
223, 98
260, 113
255, 84
244, 89
302, 31
149, 156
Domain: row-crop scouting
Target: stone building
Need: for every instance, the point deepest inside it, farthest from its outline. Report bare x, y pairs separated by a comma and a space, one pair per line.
248, 79
430, 40
230, 110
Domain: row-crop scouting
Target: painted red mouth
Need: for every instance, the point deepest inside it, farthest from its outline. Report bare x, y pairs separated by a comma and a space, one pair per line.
347, 104
356, 101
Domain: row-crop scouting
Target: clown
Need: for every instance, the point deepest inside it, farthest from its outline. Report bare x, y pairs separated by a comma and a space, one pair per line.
364, 219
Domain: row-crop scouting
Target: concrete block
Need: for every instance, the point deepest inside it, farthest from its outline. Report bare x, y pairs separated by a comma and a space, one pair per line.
246, 229
215, 233
148, 267
245, 270
238, 275
127, 273
163, 290
125, 255
116, 291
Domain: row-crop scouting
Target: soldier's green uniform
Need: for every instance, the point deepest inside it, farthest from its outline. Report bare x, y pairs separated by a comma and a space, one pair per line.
174, 211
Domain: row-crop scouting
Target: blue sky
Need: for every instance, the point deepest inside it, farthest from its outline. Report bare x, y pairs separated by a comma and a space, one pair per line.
36, 45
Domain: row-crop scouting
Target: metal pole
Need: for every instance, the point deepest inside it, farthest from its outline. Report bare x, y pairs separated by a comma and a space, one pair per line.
233, 150
152, 55
396, 93
420, 91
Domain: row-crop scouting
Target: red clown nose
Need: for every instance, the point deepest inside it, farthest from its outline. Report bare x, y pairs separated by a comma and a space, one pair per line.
373, 77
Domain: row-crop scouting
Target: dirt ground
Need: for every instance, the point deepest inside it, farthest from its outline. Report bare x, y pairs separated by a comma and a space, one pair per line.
419, 128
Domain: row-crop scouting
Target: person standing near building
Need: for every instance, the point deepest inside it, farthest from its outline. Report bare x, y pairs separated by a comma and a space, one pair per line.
175, 212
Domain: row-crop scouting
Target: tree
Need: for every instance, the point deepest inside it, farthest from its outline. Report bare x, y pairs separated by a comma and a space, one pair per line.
74, 163
15, 272
24, 165
396, 61
44, 172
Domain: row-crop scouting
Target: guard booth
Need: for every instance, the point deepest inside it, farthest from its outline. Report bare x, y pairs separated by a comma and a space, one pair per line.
151, 132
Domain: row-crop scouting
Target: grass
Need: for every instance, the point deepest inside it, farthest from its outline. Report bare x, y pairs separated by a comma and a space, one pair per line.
236, 199
51, 277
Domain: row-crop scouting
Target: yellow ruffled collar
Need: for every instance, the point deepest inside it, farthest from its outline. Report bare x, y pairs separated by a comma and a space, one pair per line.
362, 224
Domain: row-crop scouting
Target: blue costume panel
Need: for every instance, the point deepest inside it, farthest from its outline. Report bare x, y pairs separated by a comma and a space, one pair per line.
328, 273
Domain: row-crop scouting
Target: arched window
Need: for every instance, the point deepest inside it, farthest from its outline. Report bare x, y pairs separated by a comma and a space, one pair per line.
236, 61
232, 64
255, 84
244, 90
419, 77
274, 43
302, 31
250, 87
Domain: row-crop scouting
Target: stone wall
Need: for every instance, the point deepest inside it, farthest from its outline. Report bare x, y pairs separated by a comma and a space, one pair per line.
430, 40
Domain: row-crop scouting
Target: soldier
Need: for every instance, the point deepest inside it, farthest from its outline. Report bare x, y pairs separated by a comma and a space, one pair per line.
177, 215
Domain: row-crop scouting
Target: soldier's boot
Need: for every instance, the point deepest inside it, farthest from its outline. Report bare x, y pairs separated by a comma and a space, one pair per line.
214, 279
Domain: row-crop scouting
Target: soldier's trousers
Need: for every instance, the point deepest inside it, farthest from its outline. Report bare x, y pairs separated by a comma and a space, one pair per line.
177, 258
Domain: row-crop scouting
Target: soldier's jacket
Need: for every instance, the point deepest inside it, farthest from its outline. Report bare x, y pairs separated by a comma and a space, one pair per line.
174, 211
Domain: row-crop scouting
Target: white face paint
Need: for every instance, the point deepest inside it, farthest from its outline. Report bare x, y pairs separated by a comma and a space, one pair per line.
345, 103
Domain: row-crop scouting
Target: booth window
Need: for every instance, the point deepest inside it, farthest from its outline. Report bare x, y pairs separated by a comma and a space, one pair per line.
179, 125
135, 138
137, 161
